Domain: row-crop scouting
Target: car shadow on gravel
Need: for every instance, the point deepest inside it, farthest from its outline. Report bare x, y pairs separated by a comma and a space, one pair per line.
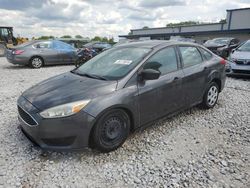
240, 77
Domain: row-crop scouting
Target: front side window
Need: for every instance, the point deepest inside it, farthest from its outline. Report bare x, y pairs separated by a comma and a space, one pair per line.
190, 56
164, 61
113, 64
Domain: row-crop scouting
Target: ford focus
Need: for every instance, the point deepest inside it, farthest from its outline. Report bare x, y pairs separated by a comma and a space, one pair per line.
100, 103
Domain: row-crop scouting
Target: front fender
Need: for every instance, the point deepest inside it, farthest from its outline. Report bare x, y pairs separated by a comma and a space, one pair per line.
125, 98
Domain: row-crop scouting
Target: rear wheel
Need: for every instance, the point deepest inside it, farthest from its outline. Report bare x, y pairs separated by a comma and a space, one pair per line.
211, 96
111, 130
36, 62
2, 50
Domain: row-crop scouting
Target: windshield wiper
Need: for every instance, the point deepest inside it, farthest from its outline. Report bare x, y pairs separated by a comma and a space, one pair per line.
89, 75
95, 76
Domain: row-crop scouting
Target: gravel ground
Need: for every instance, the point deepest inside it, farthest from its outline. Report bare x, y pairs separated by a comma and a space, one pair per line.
197, 148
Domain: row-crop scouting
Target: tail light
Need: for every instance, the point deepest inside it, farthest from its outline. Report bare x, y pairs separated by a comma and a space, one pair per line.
17, 52
223, 62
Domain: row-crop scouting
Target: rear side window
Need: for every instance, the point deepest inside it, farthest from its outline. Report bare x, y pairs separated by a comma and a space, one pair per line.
164, 61
190, 56
207, 55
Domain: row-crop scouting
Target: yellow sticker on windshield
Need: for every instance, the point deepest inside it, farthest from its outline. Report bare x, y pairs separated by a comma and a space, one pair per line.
123, 62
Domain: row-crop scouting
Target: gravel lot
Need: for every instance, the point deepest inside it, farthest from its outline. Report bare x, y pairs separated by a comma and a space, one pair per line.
197, 148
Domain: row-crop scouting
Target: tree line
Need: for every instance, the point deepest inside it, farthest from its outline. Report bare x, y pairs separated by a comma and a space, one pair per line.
96, 38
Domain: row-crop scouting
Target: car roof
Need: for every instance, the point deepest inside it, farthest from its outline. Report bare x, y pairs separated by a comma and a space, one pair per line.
155, 43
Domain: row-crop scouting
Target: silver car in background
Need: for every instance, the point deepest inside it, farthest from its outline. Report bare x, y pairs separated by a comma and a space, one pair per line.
39, 53
239, 60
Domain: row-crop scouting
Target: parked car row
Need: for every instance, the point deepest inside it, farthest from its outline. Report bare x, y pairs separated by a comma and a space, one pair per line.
222, 46
52, 52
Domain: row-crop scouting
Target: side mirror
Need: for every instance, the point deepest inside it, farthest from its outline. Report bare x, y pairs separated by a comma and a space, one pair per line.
150, 74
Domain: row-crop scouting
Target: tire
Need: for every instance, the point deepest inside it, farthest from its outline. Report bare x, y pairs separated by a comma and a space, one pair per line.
2, 50
110, 131
211, 96
36, 62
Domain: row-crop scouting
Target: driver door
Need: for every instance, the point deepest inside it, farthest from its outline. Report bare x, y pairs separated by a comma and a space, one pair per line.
164, 95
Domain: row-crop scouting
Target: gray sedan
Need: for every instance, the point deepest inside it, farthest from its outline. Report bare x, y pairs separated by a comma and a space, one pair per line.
118, 91
239, 60
39, 53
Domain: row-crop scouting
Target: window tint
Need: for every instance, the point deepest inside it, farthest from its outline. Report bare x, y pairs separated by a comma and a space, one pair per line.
190, 56
207, 55
164, 61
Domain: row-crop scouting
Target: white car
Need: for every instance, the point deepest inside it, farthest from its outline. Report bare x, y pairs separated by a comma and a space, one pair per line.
239, 60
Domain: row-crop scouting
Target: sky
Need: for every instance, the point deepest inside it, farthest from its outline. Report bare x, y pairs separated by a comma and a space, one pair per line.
108, 18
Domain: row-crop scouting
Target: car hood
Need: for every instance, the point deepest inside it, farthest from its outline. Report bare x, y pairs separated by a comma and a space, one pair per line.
240, 55
214, 45
66, 88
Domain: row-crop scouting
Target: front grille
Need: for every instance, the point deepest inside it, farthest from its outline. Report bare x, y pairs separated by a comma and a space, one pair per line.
242, 62
26, 117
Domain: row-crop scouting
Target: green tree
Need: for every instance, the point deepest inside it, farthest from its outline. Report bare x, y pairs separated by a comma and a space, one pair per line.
78, 37
145, 27
45, 37
222, 21
66, 36
186, 23
97, 38
111, 40
104, 39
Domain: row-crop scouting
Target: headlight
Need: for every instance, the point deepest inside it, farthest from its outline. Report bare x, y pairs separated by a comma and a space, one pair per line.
231, 59
64, 110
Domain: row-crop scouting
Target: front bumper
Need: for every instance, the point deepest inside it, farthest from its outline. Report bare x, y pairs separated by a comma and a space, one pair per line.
235, 69
67, 133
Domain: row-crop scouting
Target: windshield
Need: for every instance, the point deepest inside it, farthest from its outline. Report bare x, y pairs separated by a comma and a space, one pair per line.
245, 47
220, 41
113, 64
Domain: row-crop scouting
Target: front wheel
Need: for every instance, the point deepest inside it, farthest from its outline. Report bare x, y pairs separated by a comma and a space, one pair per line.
111, 130
36, 62
211, 96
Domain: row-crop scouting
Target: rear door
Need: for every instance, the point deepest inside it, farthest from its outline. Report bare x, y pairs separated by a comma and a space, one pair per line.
195, 74
164, 95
